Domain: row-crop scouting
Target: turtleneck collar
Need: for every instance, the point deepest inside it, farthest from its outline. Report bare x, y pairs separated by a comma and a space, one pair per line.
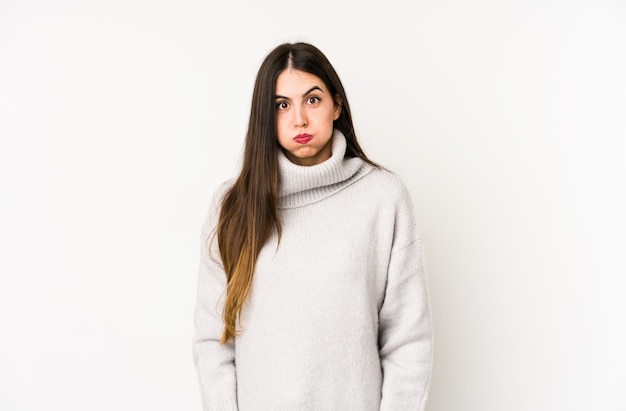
302, 185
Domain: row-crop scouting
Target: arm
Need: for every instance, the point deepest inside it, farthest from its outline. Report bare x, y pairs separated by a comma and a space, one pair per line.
215, 363
405, 330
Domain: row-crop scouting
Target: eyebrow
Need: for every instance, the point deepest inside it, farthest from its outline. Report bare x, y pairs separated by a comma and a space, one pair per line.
307, 92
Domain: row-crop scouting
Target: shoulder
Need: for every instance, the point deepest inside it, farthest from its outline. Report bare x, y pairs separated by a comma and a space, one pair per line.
219, 193
388, 185
394, 200
215, 204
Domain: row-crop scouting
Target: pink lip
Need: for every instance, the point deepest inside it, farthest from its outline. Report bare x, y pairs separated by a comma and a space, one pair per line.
302, 138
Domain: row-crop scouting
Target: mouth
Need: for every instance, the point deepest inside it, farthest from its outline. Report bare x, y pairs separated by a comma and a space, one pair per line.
302, 138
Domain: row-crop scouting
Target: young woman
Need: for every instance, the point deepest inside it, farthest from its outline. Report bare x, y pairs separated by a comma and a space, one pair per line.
312, 293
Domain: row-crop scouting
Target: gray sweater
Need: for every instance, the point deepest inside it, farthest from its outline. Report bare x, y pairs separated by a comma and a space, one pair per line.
338, 316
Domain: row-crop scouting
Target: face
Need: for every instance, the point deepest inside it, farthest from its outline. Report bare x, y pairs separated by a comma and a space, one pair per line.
305, 112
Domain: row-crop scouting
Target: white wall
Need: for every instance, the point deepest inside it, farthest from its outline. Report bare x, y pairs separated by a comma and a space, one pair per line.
506, 120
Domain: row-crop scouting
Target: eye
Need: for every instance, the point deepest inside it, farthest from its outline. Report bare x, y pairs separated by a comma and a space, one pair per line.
282, 105
313, 100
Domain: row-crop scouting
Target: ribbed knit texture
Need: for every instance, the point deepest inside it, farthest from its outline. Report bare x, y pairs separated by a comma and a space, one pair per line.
338, 315
305, 185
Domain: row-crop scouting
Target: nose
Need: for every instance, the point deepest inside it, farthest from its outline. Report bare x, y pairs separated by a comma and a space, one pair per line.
300, 119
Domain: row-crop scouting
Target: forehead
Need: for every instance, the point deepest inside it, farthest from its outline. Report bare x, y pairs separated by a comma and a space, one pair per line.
292, 81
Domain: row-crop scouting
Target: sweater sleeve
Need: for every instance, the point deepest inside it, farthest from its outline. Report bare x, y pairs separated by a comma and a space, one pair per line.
215, 363
405, 330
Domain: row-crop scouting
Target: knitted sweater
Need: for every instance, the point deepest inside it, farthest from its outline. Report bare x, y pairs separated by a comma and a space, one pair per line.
338, 316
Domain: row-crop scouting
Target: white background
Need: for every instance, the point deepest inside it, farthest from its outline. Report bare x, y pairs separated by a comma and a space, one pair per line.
505, 119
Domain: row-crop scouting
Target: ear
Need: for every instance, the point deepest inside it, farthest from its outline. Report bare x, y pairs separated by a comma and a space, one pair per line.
338, 102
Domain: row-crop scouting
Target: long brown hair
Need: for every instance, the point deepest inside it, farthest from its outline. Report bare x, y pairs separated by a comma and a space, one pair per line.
249, 209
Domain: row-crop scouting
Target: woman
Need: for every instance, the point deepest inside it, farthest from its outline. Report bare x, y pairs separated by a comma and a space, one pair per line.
312, 293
